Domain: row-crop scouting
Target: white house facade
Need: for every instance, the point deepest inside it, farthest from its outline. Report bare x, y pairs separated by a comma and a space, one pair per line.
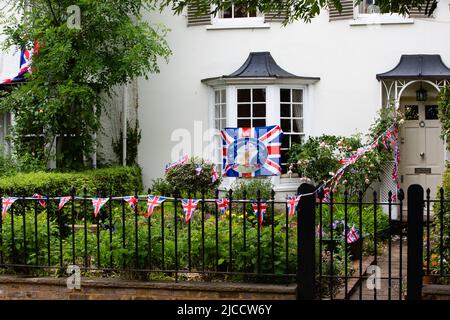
329, 76
323, 77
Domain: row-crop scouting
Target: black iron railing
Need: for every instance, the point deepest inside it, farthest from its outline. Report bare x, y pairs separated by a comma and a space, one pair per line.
334, 242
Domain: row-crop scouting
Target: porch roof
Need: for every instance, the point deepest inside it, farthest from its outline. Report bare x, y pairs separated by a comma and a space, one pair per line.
261, 65
418, 66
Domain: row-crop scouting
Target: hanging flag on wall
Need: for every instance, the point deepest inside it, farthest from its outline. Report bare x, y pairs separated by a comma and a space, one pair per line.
152, 203
98, 203
63, 201
189, 206
292, 203
263, 206
7, 203
41, 202
223, 204
251, 152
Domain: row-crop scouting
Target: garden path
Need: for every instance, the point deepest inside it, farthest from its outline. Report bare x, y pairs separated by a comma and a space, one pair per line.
383, 263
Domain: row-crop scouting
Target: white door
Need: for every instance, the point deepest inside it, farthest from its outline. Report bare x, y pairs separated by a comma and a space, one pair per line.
421, 149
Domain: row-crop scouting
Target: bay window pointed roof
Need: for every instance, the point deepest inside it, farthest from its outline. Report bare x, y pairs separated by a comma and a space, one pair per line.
260, 66
417, 67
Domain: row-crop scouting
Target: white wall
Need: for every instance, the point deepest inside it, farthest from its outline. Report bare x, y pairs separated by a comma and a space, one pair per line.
346, 58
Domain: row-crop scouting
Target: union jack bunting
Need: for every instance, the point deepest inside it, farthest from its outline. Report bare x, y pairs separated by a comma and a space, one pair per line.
181, 161
189, 206
7, 203
263, 206
25, 63
41, 202
98, 203
63, 201
292, 203
214, 174
251, 152
223, 205
152, 203
132, 201
353, 235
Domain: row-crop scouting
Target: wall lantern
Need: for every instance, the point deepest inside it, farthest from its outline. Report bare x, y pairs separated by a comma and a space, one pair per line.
421, 94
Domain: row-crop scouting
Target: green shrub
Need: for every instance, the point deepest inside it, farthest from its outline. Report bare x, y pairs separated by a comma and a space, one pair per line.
114, 179
251, 186
160, 186
444, 113
184, 177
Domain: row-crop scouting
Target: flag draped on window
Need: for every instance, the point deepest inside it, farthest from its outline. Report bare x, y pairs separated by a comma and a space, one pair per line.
252, 152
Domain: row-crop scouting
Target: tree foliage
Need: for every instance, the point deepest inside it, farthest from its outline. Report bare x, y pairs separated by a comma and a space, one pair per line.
300, 9
74, 69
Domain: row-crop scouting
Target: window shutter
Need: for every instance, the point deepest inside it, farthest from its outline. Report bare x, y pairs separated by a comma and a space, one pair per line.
275, 16
346, 13
196, 17
416, 13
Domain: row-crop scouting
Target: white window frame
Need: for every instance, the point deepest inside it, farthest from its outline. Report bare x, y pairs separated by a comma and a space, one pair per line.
292, 118
238, 23
378, 18
252, 103
221, 104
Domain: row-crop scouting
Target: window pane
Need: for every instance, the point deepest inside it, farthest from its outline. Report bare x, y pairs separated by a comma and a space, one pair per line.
218, 125
244, 123
259, 123
217, 97
223, 123
285, 110
224, 96
252, 13
296, 138
285, 142
297, 95
286, 125
412, 112
297, 125
259, 110
240, 12
217, 111
243, 95
259, 95
285, 95
243, 110
227, 13
431, 113
224, 111
298, 110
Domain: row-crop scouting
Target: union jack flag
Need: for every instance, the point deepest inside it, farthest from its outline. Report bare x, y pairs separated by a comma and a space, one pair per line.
353, 235
41, 202
63, 201
181, 161
25, 63
98, 203
132, 201
189, 206
7, 203
292, 203
223, 204
256, 206
152, 203
251, 152
214, 174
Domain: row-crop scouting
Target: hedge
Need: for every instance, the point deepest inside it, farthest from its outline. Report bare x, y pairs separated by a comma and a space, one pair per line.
118, 180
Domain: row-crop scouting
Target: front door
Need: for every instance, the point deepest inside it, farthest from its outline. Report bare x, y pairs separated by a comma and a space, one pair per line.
421, 149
